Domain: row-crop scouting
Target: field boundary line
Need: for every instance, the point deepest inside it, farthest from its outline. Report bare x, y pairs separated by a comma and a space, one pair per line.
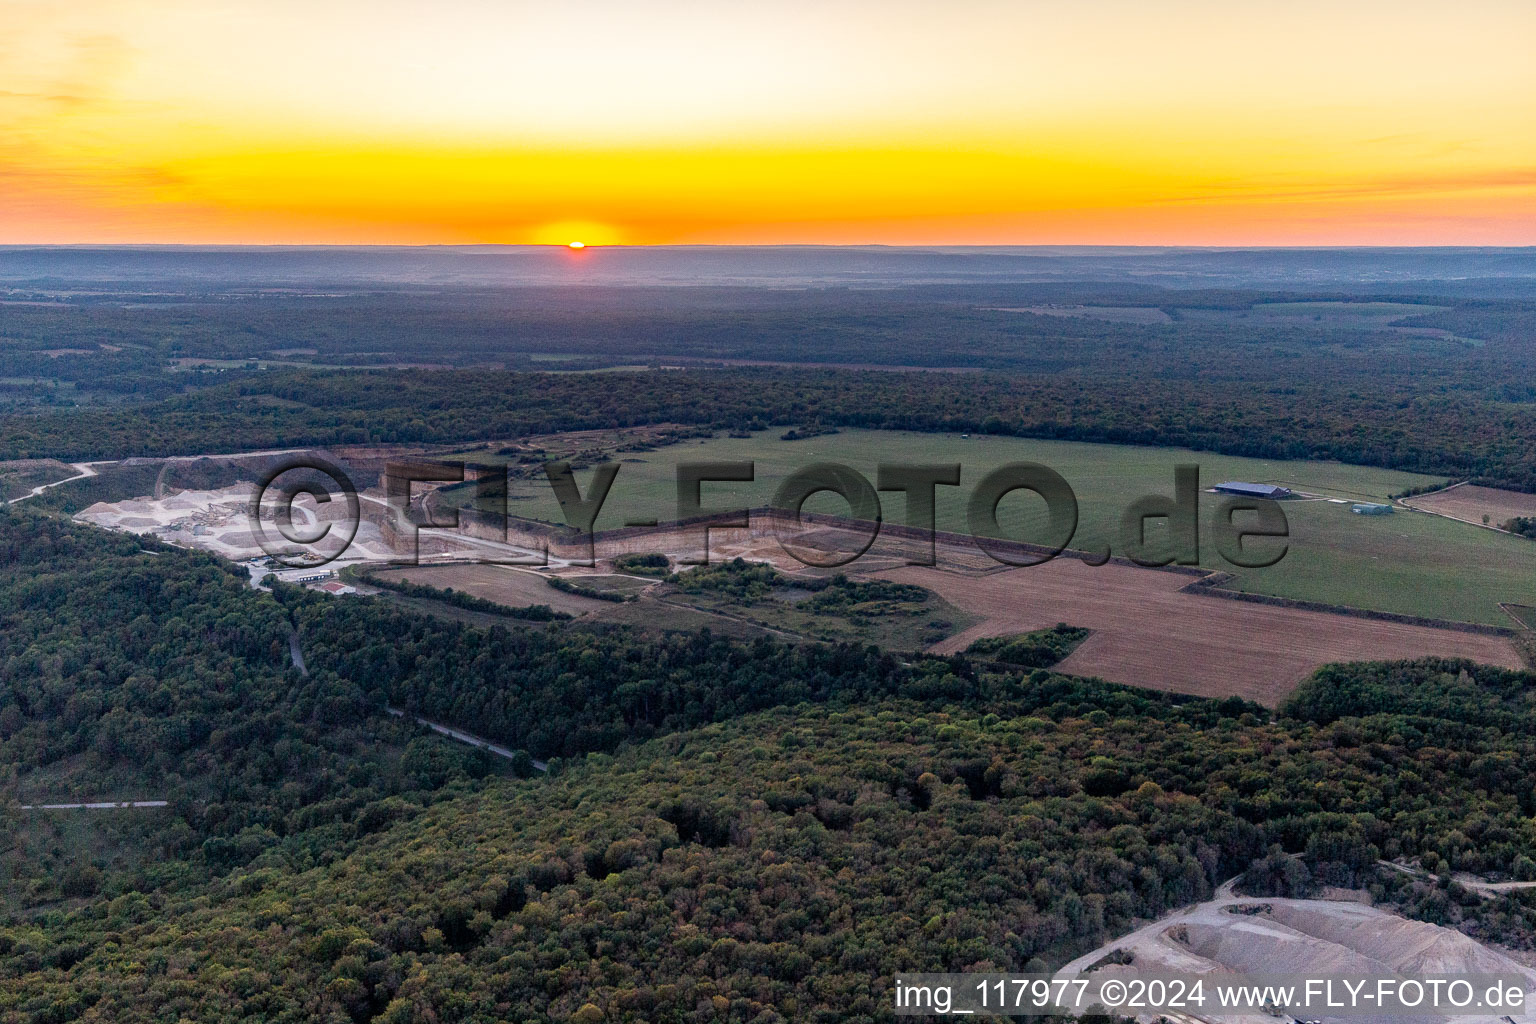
1526, 625
1446, 515
1211, 586
1424, 494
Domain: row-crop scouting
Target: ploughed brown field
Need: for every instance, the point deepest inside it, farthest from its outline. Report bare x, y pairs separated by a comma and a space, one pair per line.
1147, 633
1470, 503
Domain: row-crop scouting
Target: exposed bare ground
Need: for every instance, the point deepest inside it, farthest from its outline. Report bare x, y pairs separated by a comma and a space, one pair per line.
1311, 937
1148, 633
1470, 503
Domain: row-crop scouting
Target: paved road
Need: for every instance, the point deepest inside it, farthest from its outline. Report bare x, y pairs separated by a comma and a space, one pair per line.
96, 805
296, 653
464, 737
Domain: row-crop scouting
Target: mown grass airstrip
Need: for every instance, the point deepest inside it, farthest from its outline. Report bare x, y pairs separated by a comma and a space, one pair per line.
1407, 562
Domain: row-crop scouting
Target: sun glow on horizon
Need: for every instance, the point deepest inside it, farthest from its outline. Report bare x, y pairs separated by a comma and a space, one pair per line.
572, 234
984, 122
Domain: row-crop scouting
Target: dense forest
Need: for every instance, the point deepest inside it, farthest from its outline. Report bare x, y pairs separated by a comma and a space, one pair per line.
1422, 382
1445, 433
1241, 333
743, 830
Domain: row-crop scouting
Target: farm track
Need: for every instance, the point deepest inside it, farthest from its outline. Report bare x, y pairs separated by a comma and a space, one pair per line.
1487, 890
82, 470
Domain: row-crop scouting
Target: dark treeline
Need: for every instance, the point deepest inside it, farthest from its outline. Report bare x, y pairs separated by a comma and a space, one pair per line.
1435, 384
1218, 331
1439, 431
1040, 649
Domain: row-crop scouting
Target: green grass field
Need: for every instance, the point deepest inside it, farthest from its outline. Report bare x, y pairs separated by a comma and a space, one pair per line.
1406, 562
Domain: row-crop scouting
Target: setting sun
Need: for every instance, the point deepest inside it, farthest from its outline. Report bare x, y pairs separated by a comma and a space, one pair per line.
572, 233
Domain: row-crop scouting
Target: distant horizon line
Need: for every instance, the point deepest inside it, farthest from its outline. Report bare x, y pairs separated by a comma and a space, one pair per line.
595, 247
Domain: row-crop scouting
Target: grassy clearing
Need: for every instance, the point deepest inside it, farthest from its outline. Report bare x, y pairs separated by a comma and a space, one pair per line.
655, 615
1105, 477
908, 629
626, 585
1408, 562
1378, 317
1114, 314
511, 587
443, 610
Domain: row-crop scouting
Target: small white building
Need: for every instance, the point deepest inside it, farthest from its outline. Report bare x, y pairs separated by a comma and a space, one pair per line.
302, 575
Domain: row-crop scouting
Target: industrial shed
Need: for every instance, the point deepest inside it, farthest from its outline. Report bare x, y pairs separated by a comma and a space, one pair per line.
1248, 490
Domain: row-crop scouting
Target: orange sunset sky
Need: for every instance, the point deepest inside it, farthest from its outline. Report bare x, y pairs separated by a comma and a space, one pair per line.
836, 121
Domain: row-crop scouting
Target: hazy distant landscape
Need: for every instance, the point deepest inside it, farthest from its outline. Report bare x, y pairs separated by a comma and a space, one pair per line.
434, 780
1453, 270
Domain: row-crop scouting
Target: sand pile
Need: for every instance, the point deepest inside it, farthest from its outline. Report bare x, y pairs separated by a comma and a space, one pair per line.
1258, 945
1406, 947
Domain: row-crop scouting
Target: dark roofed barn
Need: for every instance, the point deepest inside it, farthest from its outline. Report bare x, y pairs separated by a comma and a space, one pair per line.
1252, 490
